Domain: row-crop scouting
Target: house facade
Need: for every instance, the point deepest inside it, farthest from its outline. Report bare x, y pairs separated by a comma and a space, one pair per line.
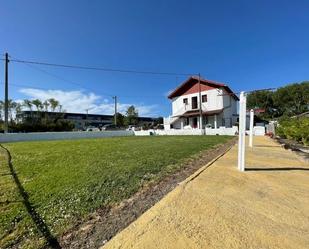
200, 103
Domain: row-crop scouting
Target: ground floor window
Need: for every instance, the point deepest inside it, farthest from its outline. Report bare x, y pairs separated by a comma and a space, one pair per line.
186, 121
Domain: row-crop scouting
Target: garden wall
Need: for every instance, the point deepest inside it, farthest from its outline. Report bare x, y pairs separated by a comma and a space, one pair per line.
257, 131
171, 132
222, 131
37, 136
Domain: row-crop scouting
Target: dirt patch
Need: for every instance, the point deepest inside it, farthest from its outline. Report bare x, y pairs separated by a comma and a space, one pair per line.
102, 225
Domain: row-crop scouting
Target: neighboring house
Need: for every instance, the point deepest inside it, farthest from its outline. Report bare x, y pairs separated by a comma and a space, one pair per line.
81, 120
218, 105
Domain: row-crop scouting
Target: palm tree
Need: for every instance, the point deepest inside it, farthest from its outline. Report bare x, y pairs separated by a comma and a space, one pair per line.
11, 107
53, 104
38, 104
27, 103
46, 105
18, 109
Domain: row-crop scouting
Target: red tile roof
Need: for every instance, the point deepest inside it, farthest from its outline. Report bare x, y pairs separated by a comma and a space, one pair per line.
192, 80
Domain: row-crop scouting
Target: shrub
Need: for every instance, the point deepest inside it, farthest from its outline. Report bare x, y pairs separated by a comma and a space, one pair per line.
59, 125
294, 128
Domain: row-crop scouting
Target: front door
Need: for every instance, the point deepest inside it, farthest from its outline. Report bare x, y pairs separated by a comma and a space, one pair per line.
194, 122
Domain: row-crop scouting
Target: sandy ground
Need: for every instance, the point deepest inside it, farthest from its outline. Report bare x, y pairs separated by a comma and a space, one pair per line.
220, 207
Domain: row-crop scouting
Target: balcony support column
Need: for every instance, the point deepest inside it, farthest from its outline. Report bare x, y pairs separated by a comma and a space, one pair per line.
215, 121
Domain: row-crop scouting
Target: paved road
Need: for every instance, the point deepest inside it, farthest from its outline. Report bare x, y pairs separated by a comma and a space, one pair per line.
265, 207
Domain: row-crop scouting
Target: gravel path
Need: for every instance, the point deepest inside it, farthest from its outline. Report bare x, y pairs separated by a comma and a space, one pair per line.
219, 207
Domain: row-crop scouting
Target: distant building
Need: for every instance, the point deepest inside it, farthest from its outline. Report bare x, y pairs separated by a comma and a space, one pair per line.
81, 120
218, 105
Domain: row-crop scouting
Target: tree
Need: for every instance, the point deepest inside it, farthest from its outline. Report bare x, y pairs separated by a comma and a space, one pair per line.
27, 103
53, 104
38, 104
11, 108
46, 105
131, 116
292, 99
261, 100
159, 121
18, 109
289, 100
120, 119
1, 109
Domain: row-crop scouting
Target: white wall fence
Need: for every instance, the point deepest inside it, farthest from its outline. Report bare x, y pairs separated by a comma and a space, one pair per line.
222, 131
170, 132
36, 136
257, 131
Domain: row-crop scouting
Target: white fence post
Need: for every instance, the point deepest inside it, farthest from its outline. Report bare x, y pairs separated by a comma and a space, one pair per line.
251, 128
242, 131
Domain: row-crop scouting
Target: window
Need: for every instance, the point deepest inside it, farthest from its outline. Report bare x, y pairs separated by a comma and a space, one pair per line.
185, 101
194, 102
204, 98
186, 121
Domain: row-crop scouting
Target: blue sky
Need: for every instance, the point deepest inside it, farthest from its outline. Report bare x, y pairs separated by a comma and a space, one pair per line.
246, 44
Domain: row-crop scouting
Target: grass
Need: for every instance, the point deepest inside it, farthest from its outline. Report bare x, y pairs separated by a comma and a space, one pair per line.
60, 182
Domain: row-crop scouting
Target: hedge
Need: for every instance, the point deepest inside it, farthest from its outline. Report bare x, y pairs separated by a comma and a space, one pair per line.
294, 128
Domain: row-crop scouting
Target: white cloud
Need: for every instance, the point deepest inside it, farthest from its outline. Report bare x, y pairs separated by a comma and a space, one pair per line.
79, 101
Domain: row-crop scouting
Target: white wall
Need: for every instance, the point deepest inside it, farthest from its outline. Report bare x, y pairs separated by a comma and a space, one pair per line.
258, 130
171, 132
214, 102
36, 136
222, 131
231, 131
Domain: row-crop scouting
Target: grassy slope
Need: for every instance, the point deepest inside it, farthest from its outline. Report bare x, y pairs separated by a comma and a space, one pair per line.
68, 179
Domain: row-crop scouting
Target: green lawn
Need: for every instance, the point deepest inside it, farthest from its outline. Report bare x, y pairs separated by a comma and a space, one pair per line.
60, 182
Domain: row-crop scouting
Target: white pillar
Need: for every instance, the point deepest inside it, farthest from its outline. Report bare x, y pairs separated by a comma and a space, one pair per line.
215, 121
181, 123
242, 132
251, 128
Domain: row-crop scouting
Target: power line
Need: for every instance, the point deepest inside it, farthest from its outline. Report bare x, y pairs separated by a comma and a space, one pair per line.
63, 79
48, 89
98, 68
27, 86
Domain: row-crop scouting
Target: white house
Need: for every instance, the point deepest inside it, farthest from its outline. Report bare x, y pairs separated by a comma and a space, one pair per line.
218, 105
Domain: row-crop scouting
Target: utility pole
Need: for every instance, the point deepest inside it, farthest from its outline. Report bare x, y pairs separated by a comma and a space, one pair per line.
6, 94
200, 100
115, 117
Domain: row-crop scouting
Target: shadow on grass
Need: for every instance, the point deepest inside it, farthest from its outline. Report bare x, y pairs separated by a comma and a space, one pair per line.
276, 169
35, 216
